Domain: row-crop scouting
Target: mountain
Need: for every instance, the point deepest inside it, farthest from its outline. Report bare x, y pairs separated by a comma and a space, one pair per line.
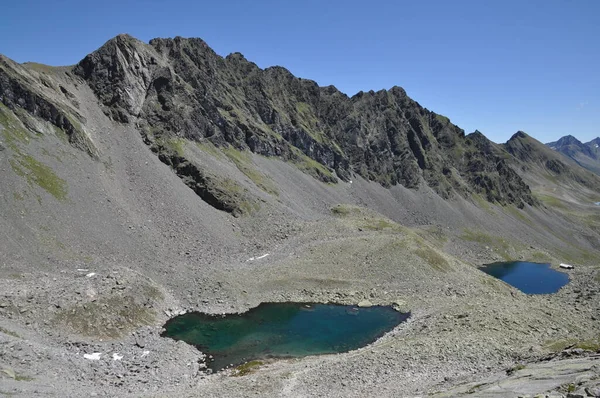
155, 178
180, 88
587, 155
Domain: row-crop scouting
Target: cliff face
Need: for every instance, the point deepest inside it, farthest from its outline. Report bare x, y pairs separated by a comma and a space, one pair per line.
180, 88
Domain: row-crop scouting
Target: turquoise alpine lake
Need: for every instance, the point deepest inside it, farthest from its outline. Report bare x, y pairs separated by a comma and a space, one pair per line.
282, 330
530, 278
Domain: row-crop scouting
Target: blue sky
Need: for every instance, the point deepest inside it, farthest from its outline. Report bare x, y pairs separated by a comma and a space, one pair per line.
496, 66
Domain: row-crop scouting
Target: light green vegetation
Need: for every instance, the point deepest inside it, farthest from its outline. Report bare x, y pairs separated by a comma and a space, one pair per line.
246, 368
310, 124
482, 203
540, 257
210, 148
310, 166
12, 130
40, 67
559, 345
14, 375
442, 119
177, 145
26, 166
412, 241
344, 210
109, 317
39, 174
503, 247
434, 234
515, 368
364, 219
243, 161
475, 388
9, 332
232, 191
433, 258
551, 201
520, 214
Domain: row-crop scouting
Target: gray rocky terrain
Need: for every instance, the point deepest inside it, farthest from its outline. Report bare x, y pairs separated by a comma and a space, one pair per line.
152, 179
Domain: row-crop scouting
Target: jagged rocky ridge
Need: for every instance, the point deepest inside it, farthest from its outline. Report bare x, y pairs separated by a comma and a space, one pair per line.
180, 88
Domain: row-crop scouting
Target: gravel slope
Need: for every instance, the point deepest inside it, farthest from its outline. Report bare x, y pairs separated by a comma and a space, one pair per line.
130, 245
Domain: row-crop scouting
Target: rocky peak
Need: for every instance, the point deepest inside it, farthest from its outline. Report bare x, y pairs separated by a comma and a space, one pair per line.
568, 140
519, 135
571, 146
120, 72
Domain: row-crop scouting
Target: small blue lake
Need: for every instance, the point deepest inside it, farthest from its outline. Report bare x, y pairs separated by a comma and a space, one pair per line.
530, 278
597, 203
280, 330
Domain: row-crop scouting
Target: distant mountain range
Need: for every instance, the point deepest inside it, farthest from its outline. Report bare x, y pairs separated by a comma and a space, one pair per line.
586, 154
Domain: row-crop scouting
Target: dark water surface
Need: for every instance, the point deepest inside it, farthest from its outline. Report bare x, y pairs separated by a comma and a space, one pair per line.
282, 330
530, 278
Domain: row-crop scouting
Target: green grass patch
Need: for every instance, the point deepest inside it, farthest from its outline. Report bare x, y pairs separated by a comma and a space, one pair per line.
9, 332
434, 234
107, 317
39, 174
442, 119
378, 224
243, 161
540, 257
482, 203
551, 201
500, 245
559, 345
475, 388
311, 166
40, 67
176, 145
520, 214
344, 210
210, 148
247, 368
13, 131
515, 368
433, 258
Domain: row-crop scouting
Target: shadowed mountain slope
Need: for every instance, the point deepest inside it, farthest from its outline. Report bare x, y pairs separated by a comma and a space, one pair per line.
585, 154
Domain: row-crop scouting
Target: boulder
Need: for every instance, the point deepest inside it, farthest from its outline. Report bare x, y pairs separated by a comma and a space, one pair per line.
365, 304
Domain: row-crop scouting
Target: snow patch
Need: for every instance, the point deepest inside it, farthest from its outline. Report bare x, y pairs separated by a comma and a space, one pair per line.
258, 258
117, 357
93, 357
